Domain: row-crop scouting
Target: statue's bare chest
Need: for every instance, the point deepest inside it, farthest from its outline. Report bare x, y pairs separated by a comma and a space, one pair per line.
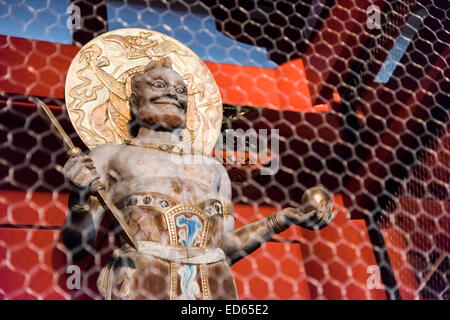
137, 162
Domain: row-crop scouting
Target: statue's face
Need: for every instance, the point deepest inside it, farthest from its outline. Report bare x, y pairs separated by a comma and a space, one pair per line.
160, 97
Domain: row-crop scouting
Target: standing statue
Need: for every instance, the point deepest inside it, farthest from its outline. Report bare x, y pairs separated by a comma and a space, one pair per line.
180, 211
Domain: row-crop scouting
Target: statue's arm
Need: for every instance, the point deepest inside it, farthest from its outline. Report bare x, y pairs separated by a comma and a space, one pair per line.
239, 243
82, 223
84, 211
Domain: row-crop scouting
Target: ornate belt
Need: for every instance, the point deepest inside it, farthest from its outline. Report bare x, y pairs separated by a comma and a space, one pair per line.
188, 225
181, 255
163, 203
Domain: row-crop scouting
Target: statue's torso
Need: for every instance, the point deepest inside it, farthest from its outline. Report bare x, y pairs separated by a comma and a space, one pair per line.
142, 169
173, 203
165, 198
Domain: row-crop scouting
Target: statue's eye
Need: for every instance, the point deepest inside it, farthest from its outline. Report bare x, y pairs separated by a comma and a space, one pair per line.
180, 90
158, 84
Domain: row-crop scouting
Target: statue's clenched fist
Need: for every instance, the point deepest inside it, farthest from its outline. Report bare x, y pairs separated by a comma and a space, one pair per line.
80, 170
313, 219
316, 211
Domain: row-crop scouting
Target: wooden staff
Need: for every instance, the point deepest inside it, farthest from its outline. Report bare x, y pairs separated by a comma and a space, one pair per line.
97, 186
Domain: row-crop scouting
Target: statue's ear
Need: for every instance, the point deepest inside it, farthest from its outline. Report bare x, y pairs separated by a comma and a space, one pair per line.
133, 124
135, 80
133, 99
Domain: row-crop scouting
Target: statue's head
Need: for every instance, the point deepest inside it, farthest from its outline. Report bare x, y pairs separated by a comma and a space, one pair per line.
158, 97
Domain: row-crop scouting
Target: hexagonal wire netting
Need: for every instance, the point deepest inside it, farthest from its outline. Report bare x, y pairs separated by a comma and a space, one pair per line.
357, 90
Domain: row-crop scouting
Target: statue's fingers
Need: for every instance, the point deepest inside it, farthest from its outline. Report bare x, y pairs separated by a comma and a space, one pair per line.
86, 159
88, 176
320, 214
87, 172
93, 174
323, 221
326, 217
326, 221
333, 215
310, 214
81, 180
70, 163
77, 156
73, 165
89, 166
75, 170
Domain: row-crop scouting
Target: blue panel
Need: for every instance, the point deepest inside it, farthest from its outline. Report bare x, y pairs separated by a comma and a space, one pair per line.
197, 31
400, 46
36, 19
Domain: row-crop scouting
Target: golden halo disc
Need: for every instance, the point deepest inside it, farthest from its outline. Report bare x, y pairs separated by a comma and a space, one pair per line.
98, 86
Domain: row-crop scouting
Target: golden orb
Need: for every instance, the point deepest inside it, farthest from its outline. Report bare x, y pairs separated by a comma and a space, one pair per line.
318, 199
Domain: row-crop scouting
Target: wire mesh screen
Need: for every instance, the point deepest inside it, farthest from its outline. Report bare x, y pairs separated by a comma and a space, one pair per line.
359, 94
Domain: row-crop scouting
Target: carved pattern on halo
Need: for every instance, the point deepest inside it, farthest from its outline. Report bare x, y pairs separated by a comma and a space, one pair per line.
98, 86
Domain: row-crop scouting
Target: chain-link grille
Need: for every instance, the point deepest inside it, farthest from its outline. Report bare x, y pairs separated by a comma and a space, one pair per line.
359, 91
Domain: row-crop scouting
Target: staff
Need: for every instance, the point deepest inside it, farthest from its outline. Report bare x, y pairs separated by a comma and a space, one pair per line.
97, 186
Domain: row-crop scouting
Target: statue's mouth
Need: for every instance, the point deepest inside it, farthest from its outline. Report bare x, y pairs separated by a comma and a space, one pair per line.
167, 119
168, 101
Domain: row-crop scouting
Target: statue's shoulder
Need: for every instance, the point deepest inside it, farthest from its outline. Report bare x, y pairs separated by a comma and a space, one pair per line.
216, 163
210, 160
106, 150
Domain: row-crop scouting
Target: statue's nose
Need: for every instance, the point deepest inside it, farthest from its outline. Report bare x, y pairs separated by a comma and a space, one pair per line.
172, 96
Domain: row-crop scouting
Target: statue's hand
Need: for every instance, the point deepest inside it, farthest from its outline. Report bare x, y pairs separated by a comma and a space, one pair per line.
80, 170
312, 220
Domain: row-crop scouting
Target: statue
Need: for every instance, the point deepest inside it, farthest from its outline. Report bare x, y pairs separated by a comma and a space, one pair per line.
180, 212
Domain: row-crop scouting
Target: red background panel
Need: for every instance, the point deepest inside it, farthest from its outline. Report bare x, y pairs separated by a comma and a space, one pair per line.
40, 68
335, 259
32, 265
397, 248
36, 67
32, 208
275, 271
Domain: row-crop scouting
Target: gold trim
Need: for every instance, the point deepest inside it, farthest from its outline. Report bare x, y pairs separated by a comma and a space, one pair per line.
175, 208
205, 283
169, 148
227, 208
151, 193
173, 281
205, 233
276, 226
